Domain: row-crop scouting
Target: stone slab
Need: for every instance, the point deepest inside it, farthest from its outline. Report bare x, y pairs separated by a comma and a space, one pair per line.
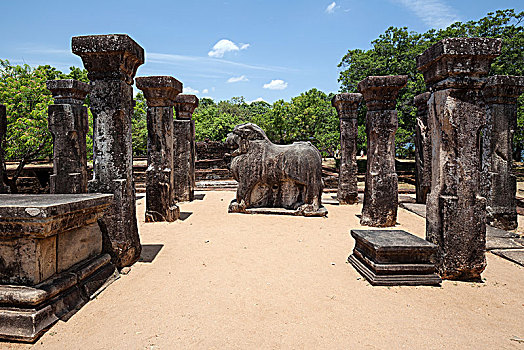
47, 214
393, 246
394, 257
514, 255
283, 211
504, 243
416, 208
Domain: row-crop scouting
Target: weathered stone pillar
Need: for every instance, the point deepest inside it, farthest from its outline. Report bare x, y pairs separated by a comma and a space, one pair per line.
422, 149
69, 126
3, 132
185, 150
347, 108
111, 62
499, 185
381, 191
160, 93
455, 69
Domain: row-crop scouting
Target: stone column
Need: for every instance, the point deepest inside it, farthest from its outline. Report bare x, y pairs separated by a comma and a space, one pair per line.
499, 185
381, 191
454, 70
3, 132
422, 149
160, 93
185, 150
111, 62
69, 126
347, 108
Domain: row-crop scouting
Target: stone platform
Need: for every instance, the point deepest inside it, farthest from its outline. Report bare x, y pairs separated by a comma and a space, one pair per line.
51, 259
394, 257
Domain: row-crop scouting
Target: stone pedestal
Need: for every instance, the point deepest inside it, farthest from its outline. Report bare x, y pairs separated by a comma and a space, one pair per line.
69, 126
499, 185
185, 150
422, 149
347, 108
3, 131
111, 62
51, 259
455, 70
381, 191
160, 93
393, 258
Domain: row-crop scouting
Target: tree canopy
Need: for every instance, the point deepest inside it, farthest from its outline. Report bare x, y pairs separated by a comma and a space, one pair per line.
394, 52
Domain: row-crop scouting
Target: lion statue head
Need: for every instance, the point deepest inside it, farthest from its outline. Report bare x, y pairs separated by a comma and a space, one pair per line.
241, 135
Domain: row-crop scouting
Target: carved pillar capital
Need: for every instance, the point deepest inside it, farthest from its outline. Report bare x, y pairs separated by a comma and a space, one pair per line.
112, 56
380, 92
68, 91
159, 91
185, 106
347, 104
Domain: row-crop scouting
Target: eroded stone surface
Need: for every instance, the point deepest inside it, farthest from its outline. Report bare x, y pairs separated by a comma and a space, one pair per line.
160, 93
456, 219
394, 257
184, 147
111, 62
272, 176
3, 130
31, 227
422, 148
68, 124
347, 105
381, 188
499, 185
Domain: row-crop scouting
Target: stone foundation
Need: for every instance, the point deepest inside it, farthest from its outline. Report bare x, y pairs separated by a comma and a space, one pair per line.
51, 259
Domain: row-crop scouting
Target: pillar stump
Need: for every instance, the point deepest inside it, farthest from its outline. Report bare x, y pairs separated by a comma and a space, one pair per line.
3, 131
347, 105
422, 149
381, 191
69, 126
111, 62
499, 185
185, 150
160, 93
454, 70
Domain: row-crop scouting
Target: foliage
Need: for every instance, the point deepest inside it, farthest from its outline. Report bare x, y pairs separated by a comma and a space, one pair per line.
394, 52
308, 117
139, 126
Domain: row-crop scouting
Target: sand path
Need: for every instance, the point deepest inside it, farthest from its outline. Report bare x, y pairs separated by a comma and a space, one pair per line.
234, 281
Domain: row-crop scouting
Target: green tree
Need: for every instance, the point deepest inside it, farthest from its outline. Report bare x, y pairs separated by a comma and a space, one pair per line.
23, 91
139, 126
395, 51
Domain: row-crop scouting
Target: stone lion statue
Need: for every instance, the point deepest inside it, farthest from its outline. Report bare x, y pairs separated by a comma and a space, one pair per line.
275, 176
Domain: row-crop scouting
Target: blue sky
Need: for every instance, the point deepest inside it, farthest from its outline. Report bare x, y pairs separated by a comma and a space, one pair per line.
259, 49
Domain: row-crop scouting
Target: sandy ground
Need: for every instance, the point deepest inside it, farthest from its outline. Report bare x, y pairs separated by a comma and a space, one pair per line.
235, 281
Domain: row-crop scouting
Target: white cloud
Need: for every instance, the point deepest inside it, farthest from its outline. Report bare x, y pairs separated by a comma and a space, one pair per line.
434, 13
188, 90
223, 46
237, 79
331, 7
260, 99
205, 91
276, 84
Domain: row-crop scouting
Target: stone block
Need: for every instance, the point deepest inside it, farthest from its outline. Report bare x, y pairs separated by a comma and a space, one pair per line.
76, 245
394, 257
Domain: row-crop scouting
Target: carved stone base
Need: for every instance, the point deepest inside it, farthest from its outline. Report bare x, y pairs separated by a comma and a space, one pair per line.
26, 312
304, 210
394, 257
